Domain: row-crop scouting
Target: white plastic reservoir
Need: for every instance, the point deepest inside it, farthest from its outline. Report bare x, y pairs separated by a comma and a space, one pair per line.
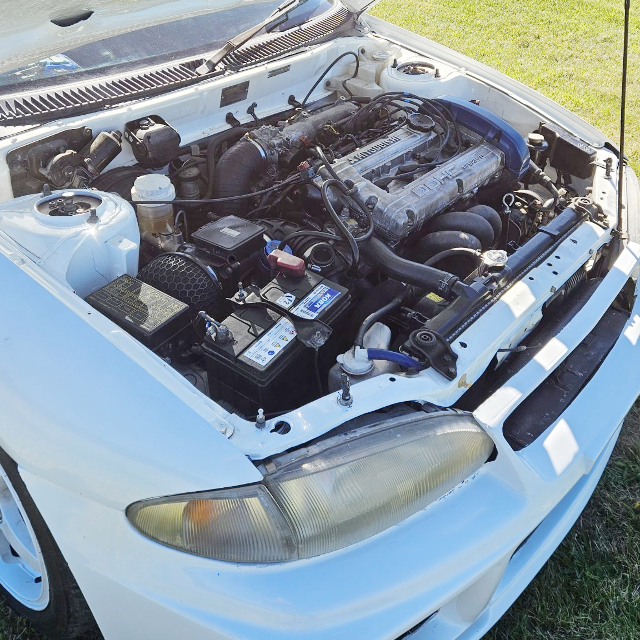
83, 238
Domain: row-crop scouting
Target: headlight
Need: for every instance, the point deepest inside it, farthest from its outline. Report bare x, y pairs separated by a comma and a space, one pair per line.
324, 497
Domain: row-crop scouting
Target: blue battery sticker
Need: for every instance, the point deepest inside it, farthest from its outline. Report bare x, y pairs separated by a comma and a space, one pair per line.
313, 305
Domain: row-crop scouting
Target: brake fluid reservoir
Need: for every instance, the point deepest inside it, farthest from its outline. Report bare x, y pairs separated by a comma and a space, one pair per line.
154, 218
365, 83
83, 238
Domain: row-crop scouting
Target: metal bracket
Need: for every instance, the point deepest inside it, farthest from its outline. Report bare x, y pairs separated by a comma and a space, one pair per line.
432, 347
232, 120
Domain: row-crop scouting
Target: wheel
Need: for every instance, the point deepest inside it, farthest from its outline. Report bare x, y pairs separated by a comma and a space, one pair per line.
35, 581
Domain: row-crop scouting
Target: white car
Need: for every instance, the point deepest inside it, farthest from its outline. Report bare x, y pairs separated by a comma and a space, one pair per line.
318, 331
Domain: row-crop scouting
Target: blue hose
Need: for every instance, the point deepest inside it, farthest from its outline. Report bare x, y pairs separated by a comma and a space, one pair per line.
393, 356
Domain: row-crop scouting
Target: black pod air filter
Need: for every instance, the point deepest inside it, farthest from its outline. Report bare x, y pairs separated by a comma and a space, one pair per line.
184, 278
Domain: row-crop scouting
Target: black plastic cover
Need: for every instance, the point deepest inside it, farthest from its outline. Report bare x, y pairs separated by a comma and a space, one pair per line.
542, 408
153, 141
151, 316
231, 239
568, 153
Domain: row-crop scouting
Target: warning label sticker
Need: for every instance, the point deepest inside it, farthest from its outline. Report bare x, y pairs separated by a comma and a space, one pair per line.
286, 300
271, 343
312, 306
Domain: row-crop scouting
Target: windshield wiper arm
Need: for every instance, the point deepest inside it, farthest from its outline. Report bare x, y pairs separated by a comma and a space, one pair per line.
233, 44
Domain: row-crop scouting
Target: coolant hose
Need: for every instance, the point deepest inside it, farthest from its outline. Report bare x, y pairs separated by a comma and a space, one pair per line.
393, 356
237, 172
457, 251
466, 222
445, 284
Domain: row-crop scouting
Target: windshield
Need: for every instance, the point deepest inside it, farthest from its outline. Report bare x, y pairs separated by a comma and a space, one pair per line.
160, 44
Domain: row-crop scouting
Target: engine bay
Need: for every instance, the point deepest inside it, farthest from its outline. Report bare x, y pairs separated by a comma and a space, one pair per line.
298, 254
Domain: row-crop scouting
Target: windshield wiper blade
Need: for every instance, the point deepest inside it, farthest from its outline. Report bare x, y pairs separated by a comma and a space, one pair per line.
235, 43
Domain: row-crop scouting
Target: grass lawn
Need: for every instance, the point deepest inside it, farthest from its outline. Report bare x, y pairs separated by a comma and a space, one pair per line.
590, 589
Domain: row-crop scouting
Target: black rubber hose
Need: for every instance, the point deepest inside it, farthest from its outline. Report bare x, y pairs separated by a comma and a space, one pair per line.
243, 196
353, 245
237, 171
469, 223
446, 285
324, 73
372, 318
457, 251
491, 216
216, 142
352, 201
537, 175
372, 299
439, 241
307, 233
325, 161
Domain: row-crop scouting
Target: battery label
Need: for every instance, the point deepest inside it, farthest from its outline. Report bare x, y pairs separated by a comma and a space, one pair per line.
282, 333
313, 305
270, 344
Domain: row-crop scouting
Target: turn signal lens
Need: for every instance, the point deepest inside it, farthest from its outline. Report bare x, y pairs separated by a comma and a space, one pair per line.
227, 524
324, 497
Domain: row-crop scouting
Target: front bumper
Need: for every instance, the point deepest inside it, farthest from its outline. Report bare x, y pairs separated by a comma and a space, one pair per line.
452, 564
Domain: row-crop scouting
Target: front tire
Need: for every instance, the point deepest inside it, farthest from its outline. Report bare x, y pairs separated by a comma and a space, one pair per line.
35, 580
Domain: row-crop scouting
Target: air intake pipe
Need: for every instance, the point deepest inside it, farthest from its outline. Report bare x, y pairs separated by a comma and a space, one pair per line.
247, 161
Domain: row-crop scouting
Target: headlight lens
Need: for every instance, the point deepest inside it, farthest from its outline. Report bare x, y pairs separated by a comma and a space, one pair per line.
324, 497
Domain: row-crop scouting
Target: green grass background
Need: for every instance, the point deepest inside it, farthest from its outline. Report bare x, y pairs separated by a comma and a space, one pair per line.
571, 52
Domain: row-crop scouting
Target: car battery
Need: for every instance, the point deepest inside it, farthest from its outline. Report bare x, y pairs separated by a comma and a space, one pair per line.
265, 365
151, 316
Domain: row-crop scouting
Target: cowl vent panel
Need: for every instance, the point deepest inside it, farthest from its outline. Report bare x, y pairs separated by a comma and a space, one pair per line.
32, 108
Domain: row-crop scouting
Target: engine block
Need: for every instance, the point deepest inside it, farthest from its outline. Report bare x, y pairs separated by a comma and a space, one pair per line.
406, 206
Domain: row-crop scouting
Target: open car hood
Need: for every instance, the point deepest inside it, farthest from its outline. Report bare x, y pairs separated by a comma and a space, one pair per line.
36, 29
359, 6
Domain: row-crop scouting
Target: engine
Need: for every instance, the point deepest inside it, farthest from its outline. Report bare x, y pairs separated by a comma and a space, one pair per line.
400, 207
296, 256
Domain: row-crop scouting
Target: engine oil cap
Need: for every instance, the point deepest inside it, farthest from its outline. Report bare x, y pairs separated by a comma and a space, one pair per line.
421, 122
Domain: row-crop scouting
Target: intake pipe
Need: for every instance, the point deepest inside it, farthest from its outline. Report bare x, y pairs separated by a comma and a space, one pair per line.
246, 162
229, 136
237, 172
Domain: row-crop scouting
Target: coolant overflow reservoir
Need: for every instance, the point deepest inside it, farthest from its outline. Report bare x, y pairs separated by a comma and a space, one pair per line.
154, 218
81, 237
